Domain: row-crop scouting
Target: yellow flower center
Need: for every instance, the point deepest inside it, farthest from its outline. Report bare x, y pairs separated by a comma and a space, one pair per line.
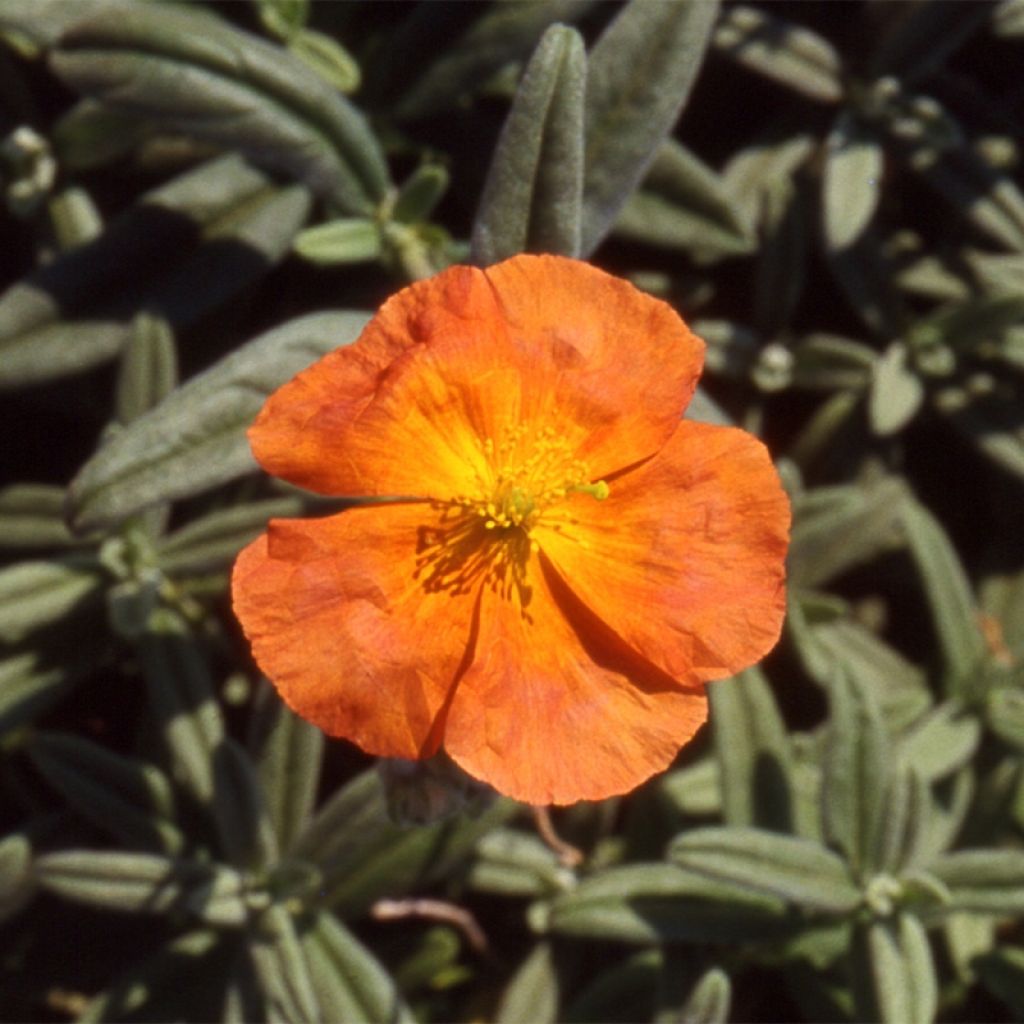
486, 533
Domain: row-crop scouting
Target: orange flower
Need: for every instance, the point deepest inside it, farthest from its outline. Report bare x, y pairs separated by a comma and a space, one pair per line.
564, 562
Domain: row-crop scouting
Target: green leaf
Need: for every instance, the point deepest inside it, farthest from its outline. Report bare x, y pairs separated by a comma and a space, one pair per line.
532, 994
149, 367
753, 754
905, 816
695, 790
283, 17
782, 260
1008, 20
839, 527
288, 752
499, 35
346, 240
420, 193
894, 974
90, 134
37, 594
868, 280
143, 883
75, 218
31, 26
190, 72
857, 765
513, 863
799, 871
212, 542
245, 829
896, 392
364, 856
327, 58
948, 590
983, 881
639, 76
125, 797
283, 969
534, 188
941, 742
16, 882
851, 181
181, 699
195, 438
349, 983
778, 49
648, 903
32, 682
683, 204
994, 428
32, 516
1004, 714
225, 223
709, 1000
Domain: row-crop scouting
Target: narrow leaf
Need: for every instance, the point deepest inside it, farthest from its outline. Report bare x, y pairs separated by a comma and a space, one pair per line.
349, 983
753, 753
856, 767
346, 240
128, 798
532, 196
149, 367
894, 972
983, 881
796, 870
37, 594
710, 999
246, 832
17, 885
195, 438
851, 181
282, 969
288, 752
788, 53
32, 516
896, 392
532, 995
948, 590
191, 72
639, 76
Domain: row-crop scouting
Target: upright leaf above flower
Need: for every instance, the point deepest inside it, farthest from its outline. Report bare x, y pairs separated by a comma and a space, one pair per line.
564, 563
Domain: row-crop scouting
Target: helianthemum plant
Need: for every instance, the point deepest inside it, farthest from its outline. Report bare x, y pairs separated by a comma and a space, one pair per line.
563, 561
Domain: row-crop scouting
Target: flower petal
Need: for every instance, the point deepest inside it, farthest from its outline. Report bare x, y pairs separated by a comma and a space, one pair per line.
304, 432
352, 639
627, 364
685, 558
554, 708
467, 355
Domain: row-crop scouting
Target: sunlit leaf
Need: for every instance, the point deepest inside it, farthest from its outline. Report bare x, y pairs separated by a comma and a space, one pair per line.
531, 199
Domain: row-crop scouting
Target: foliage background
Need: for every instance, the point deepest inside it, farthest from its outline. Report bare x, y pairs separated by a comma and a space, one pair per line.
199, 200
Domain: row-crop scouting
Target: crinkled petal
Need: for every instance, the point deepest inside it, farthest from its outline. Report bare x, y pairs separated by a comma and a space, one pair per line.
626, 364
554, 708
685, 558
470, 355
344, 626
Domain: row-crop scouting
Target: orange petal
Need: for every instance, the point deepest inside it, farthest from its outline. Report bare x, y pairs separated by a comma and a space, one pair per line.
349, 636
554, 708
626, 365
685, 558
303, 433
469, 354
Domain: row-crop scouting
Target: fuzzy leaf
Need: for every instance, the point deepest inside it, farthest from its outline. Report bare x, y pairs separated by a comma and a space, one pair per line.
948, 589
37, 594
532, 196
798, 871
149, 367
896, 392
532, 995
32, 516
639, 76
894, 974
983, 881
753, 753
195, 438
190, 72
225, 223
287, 751
788, 53
851, 181
128, 798
283, 969
349, 983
